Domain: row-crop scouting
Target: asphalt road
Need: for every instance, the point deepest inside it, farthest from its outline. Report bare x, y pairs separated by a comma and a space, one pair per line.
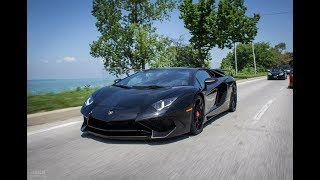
255, 142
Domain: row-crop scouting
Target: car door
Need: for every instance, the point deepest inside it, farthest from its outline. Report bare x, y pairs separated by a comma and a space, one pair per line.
209, 91
224, 86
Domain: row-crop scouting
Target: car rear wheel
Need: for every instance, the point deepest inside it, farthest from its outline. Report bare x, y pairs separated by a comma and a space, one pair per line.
197, 116
233, 100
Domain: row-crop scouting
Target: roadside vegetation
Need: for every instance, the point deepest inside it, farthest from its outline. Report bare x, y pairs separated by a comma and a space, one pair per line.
246, 76
266, 57
53, 101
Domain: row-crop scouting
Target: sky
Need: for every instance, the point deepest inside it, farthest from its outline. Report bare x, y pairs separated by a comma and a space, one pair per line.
59, 33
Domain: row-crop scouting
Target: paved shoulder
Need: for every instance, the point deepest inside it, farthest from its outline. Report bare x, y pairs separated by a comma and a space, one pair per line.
53, 116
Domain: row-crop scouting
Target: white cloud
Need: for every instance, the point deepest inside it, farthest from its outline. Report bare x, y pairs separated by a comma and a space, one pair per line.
66, 59
69, 59
45, 61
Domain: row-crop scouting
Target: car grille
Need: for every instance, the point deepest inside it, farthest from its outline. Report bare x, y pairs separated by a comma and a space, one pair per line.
118, 128
159, 124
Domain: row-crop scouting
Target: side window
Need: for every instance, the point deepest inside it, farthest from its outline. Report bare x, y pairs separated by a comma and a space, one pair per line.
201, 76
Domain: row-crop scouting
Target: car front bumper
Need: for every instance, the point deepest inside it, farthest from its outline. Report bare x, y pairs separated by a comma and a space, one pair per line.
276, 76
167, 126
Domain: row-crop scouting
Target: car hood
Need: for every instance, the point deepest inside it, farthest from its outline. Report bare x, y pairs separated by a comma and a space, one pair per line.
116, 104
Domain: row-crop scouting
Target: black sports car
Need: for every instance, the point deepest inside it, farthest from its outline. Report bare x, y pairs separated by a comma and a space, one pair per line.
277, 73
159, 103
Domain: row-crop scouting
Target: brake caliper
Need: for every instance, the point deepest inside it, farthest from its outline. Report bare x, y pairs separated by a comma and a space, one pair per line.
197, 114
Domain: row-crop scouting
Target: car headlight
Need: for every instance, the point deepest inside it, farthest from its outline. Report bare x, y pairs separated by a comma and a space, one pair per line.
89, 101
269, 74
280, 74
163, 103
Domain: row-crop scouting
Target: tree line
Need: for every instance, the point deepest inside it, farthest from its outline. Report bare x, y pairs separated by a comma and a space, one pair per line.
128, 39
266, 57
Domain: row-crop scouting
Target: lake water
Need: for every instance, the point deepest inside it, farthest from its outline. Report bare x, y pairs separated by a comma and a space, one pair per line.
58, 85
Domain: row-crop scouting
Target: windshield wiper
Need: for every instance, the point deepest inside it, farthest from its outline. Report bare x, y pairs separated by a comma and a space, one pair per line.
149, 87
122, 86
155, 87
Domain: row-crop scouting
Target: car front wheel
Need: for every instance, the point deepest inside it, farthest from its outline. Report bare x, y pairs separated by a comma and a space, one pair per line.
197, 116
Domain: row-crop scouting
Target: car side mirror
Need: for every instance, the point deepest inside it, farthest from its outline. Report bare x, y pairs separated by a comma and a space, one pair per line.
116, 80
210, 80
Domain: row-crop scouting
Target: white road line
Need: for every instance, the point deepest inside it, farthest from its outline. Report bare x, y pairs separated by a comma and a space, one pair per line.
245, 82
263, 110
54, 127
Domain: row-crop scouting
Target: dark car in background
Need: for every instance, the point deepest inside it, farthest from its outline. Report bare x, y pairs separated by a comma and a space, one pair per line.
159, 103
277, 73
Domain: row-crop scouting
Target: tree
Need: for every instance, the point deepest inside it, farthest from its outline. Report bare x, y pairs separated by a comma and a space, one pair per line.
280, 57
280, 47
266, 57
128, 40
199, 20
179, 54
233, 25
210, 26
187, 56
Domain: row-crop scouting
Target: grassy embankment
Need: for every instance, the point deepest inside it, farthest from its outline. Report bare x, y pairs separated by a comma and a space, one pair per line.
52, 101
73, 98
244, 76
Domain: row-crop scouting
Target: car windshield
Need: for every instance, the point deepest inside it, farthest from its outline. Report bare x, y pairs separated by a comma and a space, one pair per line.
285, 67
157, 78
275, 69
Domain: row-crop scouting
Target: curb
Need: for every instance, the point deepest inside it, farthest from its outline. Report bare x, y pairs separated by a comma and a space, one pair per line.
67, 113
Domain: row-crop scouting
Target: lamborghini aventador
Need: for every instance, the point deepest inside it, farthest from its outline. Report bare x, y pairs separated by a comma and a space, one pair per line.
159, 103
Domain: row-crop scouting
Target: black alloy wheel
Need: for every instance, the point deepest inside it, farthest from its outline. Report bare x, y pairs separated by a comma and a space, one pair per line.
198, 116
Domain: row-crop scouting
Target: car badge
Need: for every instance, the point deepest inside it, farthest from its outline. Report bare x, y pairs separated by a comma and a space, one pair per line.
110, 112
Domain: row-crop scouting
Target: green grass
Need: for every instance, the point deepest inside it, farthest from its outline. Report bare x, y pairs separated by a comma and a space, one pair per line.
246, 76
52, 101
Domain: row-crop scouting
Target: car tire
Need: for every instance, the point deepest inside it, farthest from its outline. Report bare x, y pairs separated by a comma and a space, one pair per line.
197, 116
233, 100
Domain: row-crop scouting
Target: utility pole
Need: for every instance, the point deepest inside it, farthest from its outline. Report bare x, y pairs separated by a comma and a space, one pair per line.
235, 57
254, 59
